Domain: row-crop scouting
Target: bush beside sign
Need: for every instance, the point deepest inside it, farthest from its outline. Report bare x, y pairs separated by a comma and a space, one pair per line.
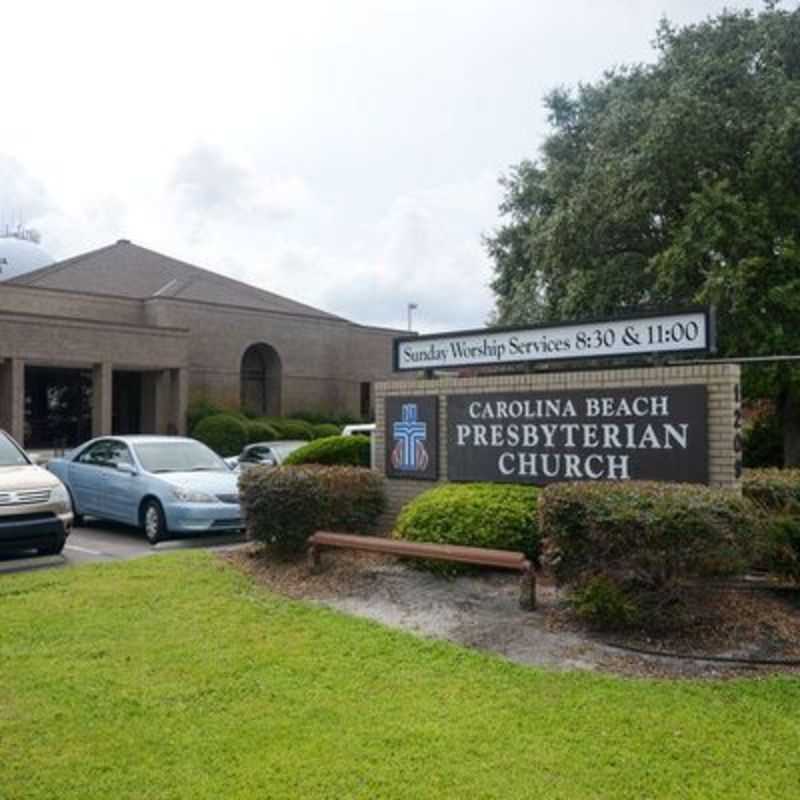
654, 433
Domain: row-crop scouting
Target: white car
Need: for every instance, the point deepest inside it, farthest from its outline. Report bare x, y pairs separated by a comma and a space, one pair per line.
363, 429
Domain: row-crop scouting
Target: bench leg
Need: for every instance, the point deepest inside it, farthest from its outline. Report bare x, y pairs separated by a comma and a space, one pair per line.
314, 562
527, 589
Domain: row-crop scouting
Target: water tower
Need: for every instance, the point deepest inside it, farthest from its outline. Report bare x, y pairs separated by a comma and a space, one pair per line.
20, 252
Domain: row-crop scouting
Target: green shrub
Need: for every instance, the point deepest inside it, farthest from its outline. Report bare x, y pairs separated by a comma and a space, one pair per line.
260, 431
603, 603
762, 441
284, 506
780, 545
323, 418
312, 417
343, 450
496, 516
773, 489
777, 493
648, 534
326, 429
223, 433
291, 429
199, 410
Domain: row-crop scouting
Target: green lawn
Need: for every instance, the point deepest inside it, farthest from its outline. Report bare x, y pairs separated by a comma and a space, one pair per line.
173, 676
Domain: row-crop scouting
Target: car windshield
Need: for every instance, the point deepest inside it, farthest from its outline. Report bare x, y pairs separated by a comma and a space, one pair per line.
178, 456
10, 454
282, 449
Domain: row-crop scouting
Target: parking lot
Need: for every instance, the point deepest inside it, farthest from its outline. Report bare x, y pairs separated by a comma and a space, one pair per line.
105, 541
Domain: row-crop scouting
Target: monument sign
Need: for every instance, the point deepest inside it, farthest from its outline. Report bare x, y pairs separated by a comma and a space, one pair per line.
633, 422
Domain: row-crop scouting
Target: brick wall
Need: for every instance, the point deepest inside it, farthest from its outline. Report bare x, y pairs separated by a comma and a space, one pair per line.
721, 382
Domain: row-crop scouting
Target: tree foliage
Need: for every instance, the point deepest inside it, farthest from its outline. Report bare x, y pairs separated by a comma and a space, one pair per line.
666, 184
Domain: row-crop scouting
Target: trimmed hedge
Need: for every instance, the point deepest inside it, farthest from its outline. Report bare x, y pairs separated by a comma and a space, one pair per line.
326, 429
291, 429
223, 433
780, 545
773, 489
777, 493
260, 431
284, 506
324, 418
496, 516
343, 450
199, 410
644, 536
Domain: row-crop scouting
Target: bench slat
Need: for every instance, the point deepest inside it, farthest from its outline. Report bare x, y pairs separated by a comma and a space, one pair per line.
503, 559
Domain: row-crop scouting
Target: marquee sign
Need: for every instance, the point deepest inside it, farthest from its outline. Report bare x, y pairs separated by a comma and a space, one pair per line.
412, 437
646, 433
658, 333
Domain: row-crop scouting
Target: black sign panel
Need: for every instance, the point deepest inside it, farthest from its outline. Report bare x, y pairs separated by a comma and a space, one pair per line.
412, 437
647, 433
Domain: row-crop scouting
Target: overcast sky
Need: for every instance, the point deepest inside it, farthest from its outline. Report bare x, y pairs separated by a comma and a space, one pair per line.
341, 152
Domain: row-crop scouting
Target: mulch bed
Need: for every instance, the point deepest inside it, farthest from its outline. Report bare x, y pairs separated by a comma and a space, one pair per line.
733, 620
739, 619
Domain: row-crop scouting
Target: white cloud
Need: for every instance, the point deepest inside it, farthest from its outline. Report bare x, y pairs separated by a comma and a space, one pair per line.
344, 153
426, 250
22, 196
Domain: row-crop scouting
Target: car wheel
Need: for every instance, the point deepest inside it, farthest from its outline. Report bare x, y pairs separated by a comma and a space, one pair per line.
53, 549
153, 522
77, 519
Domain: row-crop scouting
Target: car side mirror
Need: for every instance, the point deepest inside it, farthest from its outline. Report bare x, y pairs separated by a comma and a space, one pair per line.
128, 469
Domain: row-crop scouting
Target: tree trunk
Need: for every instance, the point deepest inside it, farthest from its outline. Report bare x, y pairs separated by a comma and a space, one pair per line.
790, 419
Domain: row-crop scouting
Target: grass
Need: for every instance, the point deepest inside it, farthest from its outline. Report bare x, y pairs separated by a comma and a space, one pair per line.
174, 676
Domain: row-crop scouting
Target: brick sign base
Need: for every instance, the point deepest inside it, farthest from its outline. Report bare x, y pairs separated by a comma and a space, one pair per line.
651, 423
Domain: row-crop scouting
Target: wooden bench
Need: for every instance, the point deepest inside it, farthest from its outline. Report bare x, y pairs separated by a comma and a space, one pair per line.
499, 559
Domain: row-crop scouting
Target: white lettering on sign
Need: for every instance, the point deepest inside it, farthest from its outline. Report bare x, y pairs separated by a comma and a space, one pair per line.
663, 333
613, 434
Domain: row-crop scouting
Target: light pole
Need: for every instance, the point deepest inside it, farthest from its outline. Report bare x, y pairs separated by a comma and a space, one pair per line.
412, 307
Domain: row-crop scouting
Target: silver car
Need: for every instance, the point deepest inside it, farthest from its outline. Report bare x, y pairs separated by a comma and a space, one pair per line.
265, 454
35, 510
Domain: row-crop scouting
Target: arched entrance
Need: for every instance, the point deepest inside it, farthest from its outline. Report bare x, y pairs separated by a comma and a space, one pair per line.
261, 380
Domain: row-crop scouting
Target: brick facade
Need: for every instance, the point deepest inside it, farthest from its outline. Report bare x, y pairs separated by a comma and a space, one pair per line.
186, 330
721, 382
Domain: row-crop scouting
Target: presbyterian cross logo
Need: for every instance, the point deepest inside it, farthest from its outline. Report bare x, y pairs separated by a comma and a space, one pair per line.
410, 434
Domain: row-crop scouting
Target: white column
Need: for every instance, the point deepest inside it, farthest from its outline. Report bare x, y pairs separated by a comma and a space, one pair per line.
102, 390
12, 397
179, 400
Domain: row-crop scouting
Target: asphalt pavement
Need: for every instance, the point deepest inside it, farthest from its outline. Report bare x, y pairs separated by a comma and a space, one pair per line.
99, 541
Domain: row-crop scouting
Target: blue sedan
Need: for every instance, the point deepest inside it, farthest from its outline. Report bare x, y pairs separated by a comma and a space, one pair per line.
167, 485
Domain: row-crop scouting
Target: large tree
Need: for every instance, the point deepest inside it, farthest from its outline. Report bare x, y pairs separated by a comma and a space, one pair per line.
671, 183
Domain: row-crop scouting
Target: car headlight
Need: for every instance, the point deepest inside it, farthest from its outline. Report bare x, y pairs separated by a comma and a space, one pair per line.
60, 495
190, 496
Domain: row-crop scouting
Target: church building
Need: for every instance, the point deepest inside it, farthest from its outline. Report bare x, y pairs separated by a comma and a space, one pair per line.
118, 340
